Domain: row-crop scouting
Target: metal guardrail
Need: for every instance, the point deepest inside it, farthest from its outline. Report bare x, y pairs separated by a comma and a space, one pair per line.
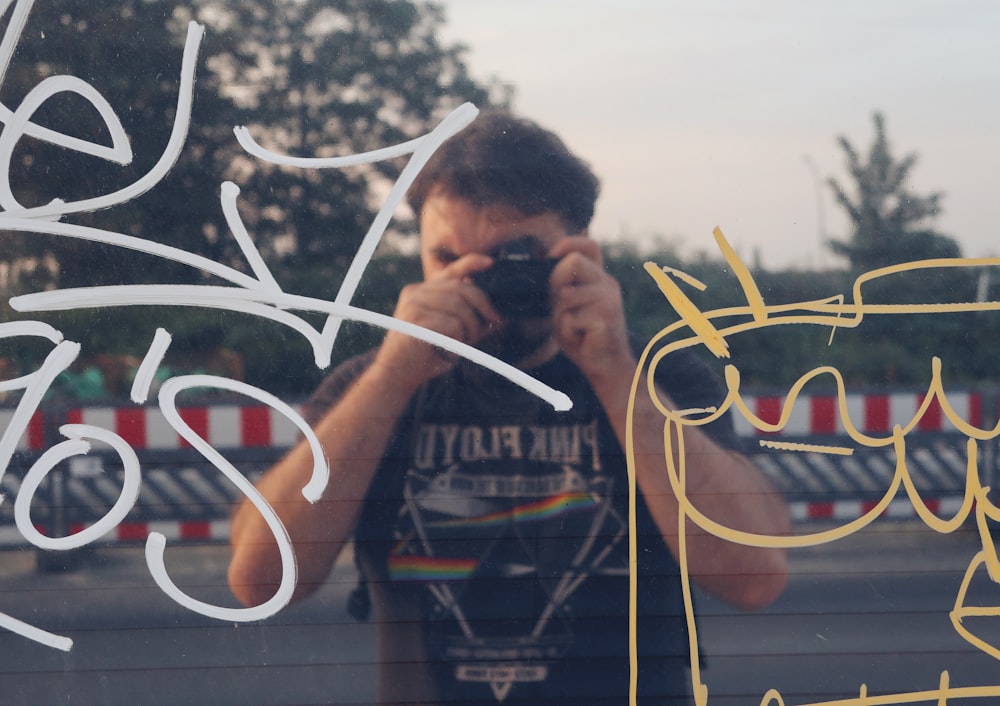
187, 499
847, 482
181, 495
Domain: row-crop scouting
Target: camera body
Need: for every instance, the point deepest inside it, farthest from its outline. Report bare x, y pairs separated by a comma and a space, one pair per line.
518, 281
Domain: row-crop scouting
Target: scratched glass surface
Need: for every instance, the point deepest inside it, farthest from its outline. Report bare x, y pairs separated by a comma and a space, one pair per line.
116, 503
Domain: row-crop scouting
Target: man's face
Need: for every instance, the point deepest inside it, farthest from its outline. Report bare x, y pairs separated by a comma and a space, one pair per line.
452, 227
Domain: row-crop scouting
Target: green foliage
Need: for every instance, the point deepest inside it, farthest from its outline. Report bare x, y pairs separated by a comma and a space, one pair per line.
314, 79
307, 78
890, 226
887, 218
885, 351
341, 79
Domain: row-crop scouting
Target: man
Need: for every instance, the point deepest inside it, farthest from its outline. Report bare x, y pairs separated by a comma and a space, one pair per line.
491, 529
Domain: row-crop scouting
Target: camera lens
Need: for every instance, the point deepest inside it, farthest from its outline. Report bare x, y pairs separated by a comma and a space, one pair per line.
518, 288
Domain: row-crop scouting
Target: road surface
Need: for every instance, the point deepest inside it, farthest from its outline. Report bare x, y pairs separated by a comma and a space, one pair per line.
871, 609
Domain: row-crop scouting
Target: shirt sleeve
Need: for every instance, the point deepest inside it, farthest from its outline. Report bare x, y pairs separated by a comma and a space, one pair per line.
691, 384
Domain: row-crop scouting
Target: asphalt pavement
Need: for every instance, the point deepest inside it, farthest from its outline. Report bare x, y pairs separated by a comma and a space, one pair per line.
868, 609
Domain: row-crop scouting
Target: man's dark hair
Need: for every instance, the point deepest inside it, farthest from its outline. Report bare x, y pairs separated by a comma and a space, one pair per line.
503, 160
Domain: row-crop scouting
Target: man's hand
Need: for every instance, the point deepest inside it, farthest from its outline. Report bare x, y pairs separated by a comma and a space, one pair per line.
447, 303
588, 316
589, 325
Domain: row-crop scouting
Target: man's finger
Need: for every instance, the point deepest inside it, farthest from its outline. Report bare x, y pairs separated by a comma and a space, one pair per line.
581, 244
574, 269
467, 265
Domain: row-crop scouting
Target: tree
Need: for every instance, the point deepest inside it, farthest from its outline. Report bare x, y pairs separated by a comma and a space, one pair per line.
342, 78
890, 227
888, 220
308, 78
126, 51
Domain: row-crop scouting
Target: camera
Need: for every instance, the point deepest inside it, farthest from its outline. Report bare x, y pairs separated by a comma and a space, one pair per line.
518, 281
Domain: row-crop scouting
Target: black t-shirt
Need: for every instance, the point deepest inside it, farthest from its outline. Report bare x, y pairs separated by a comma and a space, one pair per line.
502, 525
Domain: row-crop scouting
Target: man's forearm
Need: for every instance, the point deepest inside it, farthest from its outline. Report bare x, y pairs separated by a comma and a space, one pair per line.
354, 435
727, 489
721, 484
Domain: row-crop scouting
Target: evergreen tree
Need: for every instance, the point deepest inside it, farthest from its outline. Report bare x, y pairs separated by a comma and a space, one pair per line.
890, 226
889, 221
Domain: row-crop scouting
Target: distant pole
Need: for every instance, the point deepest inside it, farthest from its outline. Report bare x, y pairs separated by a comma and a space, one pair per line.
983, 285
820, 217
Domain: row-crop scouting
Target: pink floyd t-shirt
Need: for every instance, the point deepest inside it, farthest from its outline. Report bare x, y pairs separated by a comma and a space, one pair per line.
502, 525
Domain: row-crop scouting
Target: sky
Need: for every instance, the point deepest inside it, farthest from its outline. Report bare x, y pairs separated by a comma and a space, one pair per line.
705, 113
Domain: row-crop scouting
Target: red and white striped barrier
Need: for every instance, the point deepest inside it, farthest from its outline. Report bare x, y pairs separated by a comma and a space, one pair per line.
129, 532
846, 510
34, 439
870, 414
223, 426
233, 426
146, 429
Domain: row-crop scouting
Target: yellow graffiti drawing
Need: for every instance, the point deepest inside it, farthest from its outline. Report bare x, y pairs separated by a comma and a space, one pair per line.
834, 312
814, 448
